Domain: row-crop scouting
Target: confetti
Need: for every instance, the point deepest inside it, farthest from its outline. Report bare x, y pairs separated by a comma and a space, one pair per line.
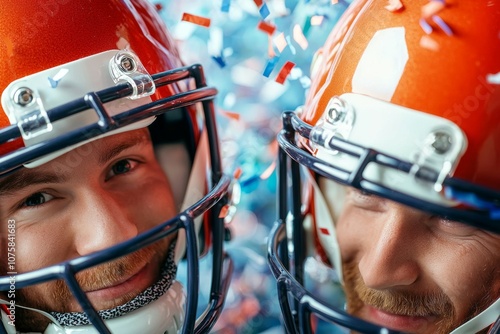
428, 43
224, 211
324, 231
299, 37
199, 20
229, 114
285, 70
269, 171
335, 2
225, 6
426, 27
307, 25
394, 5
429, 11
289, 43
440, 22
316, 20
264, 11
220, 61
270, 49
54, 81
432, 8
237, 173
280, 42
266, 27
270, 66
258, 3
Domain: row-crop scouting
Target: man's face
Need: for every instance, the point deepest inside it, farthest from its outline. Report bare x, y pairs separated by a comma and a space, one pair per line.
412, 271
89, 199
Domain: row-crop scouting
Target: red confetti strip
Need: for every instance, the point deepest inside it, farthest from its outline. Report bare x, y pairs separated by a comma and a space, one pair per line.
269, 171
258, 2
231, 115
324, 231
224, 211
284, 72
237, 173
268, 28
199, 20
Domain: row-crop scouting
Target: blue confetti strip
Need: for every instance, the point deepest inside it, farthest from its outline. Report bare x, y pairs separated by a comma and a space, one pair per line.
264, 11
446, 28
270, 66
53, 83
219, 60
425, 26
225, 6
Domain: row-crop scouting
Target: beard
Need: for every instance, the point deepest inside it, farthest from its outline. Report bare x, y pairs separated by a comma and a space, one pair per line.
405, 302
55, 296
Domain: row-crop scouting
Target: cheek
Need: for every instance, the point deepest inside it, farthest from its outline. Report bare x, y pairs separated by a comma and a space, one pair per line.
152, 203
352, 229
41, 246
468, 276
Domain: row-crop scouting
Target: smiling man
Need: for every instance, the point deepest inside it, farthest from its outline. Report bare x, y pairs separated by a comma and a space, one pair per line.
400, 138
120, 191
110, 173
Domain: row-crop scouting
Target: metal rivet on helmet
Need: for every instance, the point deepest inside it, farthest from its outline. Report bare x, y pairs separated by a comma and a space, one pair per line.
23, 96
336, 111
440, 142
127, 64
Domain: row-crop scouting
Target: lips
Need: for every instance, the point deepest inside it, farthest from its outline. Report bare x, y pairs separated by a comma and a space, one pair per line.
412, 324
132, 284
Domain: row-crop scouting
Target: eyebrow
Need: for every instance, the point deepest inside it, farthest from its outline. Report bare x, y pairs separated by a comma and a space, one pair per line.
136, 139
27, 177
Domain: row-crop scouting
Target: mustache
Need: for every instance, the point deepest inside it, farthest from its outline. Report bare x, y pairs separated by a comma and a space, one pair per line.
399, 302
109, 273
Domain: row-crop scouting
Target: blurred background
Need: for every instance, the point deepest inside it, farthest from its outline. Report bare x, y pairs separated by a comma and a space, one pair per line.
257, 54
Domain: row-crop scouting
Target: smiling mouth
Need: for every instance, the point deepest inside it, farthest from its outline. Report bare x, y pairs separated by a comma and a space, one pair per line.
128, 286
119, 282
406, 323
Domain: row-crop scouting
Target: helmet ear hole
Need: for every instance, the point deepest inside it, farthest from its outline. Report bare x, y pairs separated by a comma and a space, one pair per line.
174, 149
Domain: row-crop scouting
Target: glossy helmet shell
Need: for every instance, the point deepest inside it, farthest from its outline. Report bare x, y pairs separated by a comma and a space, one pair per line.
447, 75
46, 34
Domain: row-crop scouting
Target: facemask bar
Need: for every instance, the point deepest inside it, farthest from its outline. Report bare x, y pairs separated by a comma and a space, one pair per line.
106, 123
296, 303
481, 204
215, 200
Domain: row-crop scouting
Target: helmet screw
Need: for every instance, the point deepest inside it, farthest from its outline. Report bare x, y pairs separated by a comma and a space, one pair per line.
23, 96
440, 142
127, 64
336, 111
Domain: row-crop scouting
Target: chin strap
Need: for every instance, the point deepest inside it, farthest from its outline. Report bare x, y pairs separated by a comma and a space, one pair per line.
484, 319
8, 322
158, 309
164, 315
149, 295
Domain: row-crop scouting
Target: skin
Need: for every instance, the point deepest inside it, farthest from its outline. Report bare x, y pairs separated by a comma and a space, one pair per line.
101, 194
411, 271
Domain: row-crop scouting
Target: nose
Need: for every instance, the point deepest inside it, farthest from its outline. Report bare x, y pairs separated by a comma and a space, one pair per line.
103, 221
390, 258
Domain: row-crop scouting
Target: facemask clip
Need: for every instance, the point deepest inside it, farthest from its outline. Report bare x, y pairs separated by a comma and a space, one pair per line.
125, 67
